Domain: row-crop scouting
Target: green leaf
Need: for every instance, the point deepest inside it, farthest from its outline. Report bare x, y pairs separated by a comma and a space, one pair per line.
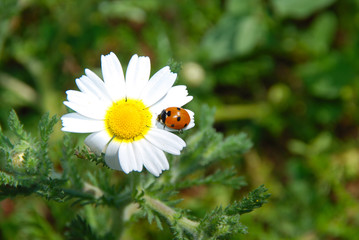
229, 147
16, 127
8, 9
85, 154
227, 177
319, 37
13, 190
158, 222
6, 179
299, 8
245, 6
250, 33
51, 189
223, 223
205, 119
234, 35
5, 141
80, 229
174, 66
218, 225
46, 126
255, 199
45, 129
325, 77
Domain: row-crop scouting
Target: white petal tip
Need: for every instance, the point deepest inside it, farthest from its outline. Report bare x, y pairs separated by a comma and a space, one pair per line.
64, 129
156, 174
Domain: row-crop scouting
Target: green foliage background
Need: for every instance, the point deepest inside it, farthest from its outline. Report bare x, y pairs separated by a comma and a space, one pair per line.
283, 71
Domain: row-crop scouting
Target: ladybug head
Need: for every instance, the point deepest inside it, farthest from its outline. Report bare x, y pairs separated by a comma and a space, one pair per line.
162, 116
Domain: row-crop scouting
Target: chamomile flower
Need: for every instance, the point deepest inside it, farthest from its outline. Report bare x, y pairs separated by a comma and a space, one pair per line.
121, 114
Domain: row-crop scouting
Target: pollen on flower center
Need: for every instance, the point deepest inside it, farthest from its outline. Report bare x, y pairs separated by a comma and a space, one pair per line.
128, 120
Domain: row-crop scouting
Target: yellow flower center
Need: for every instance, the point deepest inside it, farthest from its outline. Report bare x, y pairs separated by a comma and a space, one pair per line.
128, 120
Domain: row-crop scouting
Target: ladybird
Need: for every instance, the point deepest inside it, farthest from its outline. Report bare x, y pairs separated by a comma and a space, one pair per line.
174, 117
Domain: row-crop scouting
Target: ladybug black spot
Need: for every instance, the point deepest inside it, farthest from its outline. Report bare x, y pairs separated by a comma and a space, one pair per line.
172, 125
178, 119
185, 125
169, 113
178, 109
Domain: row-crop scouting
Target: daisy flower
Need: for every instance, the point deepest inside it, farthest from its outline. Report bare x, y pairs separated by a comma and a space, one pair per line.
121, 113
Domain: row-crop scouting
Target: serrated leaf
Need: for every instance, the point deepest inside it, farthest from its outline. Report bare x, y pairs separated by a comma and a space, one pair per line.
227, 177
90, 156
6, 179
80, 229
5, 142
206, 117
46, 126
158, 222
150, 216
255, 199
222, 223
16, 127
174, 66
229, 147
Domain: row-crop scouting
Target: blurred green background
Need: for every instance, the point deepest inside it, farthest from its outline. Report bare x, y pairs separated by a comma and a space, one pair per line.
284, 71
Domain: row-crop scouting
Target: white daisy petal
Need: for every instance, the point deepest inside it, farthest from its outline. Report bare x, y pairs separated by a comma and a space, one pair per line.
111, 155
138, 163
87, 110
161, 126
142, 155
113, 76
94, 78
137, 149
97, 141
165, 141
175, 97
159, 156
97, 86
95, 90
150, 160
191, 124
158, 86
83, 99
162, 158
128, 159
137, 75
74, 122
85, 86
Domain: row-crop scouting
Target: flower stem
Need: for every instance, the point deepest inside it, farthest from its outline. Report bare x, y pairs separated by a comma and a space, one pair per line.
171, 215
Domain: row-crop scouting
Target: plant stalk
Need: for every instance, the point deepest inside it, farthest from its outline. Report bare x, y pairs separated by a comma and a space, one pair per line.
171, 215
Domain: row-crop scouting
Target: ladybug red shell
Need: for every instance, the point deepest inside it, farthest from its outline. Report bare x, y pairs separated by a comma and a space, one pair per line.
174, 117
